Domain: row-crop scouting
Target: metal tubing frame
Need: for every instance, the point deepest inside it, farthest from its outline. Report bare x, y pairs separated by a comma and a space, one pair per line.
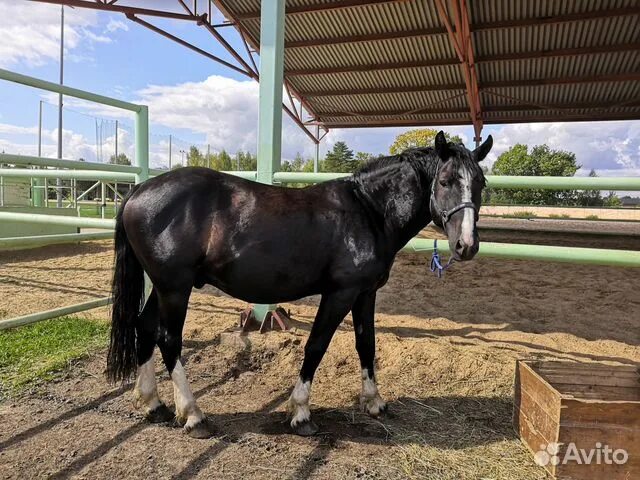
63, 163
57, 312
68, 174
498, 181
516, 251
43, 240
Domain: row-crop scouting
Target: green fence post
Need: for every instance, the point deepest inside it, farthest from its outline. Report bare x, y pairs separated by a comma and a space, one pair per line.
270, 116
142, 143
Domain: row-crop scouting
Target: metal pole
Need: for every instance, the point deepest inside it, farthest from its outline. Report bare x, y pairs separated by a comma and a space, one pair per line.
116, 141
58, 180
208, 156
142, 143
271, 80
169, 151
270, 115
316, 160
103, 194
37, 183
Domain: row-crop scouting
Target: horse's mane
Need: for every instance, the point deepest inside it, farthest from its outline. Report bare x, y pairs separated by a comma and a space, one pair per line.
422, 159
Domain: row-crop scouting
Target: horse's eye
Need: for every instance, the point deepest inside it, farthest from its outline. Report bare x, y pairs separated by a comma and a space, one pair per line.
444, 183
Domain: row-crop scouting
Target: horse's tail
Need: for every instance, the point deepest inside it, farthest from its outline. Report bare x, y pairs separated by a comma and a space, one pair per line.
127, 293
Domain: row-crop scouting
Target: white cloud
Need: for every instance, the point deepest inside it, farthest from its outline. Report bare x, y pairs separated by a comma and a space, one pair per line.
30, 32
224, 110
115, 25
606, 147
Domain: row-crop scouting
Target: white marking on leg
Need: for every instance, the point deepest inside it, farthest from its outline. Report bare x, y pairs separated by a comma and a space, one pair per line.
299, 402
370, 400
468, 221
187, 411
146, 390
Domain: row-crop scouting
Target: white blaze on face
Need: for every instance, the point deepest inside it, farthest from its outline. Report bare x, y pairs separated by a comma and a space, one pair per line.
468, 222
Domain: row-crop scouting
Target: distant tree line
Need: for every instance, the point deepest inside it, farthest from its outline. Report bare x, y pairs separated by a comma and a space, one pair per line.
540, 160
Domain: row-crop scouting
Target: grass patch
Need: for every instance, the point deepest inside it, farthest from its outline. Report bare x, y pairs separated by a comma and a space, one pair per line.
36, 353
94, 211
521, 214
592, 217
563, 215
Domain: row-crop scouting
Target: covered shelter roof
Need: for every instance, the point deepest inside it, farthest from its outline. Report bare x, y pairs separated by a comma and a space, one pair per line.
455, 62
367, 63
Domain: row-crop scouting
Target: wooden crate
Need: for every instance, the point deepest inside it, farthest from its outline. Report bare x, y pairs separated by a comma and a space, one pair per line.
588, 405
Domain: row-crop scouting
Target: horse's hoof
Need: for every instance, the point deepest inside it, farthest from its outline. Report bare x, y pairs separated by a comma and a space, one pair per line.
375, 407
306, 428
160, 414
203, 429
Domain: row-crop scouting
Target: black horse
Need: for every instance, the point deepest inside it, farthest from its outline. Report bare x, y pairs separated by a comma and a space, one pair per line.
267, 244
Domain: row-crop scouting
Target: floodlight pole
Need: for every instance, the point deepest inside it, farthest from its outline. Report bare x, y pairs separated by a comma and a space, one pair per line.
58, 180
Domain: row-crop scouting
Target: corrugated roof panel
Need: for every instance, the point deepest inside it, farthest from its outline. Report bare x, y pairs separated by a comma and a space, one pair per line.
485, 11
409, 77
398, 17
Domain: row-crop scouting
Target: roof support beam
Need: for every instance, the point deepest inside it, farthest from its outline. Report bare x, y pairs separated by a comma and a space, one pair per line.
112, 7
255, 44
461, 39
335, 5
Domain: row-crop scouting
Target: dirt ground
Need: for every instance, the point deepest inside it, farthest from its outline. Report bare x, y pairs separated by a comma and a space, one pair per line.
446, 352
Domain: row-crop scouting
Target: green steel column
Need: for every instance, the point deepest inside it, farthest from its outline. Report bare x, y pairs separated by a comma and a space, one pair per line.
142, 143
270, 115
271, 78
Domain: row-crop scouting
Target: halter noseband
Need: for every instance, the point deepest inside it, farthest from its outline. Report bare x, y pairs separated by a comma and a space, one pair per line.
445, 215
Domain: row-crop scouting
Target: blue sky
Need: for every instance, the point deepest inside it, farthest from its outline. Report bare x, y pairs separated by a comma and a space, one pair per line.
199, 101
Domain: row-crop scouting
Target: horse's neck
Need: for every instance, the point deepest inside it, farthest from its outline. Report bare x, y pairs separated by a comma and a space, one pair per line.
401, 198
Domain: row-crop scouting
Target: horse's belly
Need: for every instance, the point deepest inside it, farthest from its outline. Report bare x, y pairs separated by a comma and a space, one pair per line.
265, 283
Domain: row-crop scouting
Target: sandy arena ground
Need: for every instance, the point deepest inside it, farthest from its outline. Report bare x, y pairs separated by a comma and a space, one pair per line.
446, 352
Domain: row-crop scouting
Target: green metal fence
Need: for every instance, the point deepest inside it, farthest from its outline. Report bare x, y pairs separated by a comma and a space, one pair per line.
139, 172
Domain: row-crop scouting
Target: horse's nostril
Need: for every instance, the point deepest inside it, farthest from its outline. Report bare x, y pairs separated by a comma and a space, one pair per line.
460, 247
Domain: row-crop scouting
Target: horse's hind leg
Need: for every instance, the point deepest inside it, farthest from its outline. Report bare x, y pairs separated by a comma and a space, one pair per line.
363, 315
146, 390
172, 313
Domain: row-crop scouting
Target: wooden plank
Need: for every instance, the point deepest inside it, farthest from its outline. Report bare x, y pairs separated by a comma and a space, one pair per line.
599, 392
559, 379
625, 414
595, 439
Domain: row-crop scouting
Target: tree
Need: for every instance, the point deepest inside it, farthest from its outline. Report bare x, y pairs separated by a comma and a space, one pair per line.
340, 159
590, 198
121, 159
195, 157
542, 161
418, 137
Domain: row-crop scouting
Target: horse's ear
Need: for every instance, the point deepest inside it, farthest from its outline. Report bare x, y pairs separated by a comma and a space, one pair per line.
483, 150
442, 146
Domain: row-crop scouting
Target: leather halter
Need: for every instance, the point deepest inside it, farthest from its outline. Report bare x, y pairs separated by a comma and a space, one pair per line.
445, 215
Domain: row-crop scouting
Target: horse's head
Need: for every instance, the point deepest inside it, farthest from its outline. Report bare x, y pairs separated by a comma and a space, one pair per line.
456, 194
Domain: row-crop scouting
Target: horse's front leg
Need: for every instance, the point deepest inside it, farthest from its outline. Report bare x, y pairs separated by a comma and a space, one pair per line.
333, 308
363, 314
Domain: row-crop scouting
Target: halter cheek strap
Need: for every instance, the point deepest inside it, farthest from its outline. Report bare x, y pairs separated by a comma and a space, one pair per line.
445, 215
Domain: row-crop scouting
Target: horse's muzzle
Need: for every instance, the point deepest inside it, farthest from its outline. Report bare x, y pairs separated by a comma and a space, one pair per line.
463, 252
